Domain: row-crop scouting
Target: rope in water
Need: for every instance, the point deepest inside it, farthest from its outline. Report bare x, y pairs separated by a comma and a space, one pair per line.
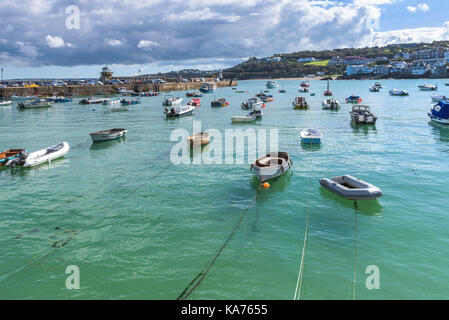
55, 244
200, 277
355, 249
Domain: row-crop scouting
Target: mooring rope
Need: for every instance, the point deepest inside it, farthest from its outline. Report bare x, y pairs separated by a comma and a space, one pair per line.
200, 277
355, 249
55, 244
298, 289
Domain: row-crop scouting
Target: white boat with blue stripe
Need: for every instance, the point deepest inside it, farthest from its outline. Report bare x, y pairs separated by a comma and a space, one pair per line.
440, 112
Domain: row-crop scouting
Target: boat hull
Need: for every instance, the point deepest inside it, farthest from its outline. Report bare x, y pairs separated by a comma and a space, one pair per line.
46, 155
105, 136
437, 119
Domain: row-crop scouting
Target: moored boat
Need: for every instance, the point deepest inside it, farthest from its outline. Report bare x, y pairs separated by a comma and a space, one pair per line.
351, 188
252, 103
362, 115
397, 92
170, 100
374, 89
91, 101
256, 112
179, 111
208, 87
271, 165
311, 136
149, 94
303, 89
219, 103
34, 105
331, 104
353, 99
436, 98
15, 97
428, 87
305, 84
194, 102
107, 135
5, 102
128, 102
46, 155
440, 112
328, 93
194, 94
272, 84
246, 118
111, 101
199, 139
300, 103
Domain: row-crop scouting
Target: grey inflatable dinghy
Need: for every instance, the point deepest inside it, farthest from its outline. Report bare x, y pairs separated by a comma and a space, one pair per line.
351, 188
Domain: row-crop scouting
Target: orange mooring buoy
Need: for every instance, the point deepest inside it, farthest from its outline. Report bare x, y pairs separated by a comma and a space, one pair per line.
266, 185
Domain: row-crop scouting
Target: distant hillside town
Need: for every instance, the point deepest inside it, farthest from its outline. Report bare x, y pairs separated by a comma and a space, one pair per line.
394, 61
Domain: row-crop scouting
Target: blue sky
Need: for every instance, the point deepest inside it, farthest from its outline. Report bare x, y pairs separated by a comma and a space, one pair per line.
42, 38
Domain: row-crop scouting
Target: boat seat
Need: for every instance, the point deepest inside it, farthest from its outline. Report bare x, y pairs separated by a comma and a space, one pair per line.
269, 161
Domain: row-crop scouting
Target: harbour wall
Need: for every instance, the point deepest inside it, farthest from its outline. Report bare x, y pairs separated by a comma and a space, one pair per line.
89, 90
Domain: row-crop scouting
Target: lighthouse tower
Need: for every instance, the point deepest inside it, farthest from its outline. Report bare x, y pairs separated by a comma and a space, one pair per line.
106, 75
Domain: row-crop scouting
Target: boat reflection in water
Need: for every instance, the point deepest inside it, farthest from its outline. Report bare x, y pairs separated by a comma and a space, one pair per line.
365, 207
198, 149
441, 131
363, 130
312, 147
107, 144
276, 185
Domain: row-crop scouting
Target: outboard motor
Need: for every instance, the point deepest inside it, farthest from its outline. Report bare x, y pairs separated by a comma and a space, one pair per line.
19, 160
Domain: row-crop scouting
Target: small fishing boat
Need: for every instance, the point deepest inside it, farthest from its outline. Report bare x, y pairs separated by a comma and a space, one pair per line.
179, 111
374, 89
267, 98
128, 102
305, 84
170, 100
199, 139
91, 101
377, 84
362, 115
208, 87
282, 91
111, 101
241, 91
219, 103
5, 102
351, 188
107, 135
252, 103
331, 104
303, 89
300, 103
246, 118
396, 92
428, 87
440, 112
311, 136
256, 112
59, 99
46, 155
272, 165
34, 105
437, 98
195, 94
272, 84
8, 155
328, 93
194, 102
353, 99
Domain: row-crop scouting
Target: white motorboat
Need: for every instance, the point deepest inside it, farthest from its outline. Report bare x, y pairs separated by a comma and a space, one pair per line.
303, 89
179, 111
437, 98
16, 97
256, 112
374, 89
170, 100
396, 92
362, 115
428, 87
111, 101
5, 103
36, 104
311, 136
246, 118
300, 103
377, 84
252, 103
46, 155
272, 84
351, 188
107, 135
330, 103
272, 165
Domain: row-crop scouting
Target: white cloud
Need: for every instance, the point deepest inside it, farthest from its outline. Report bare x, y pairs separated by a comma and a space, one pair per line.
114, 42
421, 7
54, 42
147, 44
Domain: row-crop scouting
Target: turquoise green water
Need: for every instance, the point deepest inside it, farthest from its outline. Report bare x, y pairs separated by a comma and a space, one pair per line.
147, 238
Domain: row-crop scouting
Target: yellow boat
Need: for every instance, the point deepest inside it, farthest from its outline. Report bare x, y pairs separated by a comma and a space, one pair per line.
201, 138
300, 103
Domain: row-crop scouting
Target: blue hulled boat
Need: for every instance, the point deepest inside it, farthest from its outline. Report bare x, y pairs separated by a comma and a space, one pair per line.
440, 112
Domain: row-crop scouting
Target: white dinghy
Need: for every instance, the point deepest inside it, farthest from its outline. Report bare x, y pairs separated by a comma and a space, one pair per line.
272, 165
46, 155
351, 188
247, 118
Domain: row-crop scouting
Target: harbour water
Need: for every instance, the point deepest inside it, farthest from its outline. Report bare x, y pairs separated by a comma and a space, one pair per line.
146, 229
